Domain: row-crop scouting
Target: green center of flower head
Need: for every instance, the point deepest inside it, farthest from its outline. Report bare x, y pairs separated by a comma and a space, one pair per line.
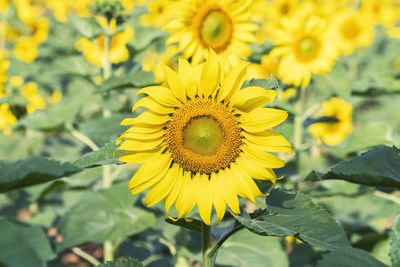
216, 30
308, 48
203, 135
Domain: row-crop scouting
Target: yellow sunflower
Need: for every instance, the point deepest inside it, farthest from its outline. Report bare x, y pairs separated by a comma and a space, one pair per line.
224, 26
353, 29
202, 139
7, 119
333, 133
305, 47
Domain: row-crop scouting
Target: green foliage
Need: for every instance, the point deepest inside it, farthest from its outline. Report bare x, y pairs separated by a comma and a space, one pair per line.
23, 245
395, 242
87, 27
122, 263
32, 171
136, 79
349, 257
269, 83
106, 155
295, 214
103, 215
191, 224
247, 249
377, 167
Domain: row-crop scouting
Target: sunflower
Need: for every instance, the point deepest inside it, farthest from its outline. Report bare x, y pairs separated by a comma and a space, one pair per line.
305, 47
224, 26
354, 30
202, 139
7, 119
333, 133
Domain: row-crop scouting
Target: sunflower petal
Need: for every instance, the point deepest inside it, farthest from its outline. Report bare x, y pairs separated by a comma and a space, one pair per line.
151, 104
186, 73
204, 197
265, 159
161, 94
210, 75
251, 98
218, 200
175, 83
261, 119
232, 82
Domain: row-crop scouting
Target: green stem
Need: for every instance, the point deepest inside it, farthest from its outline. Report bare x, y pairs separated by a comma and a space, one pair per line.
107, 67
86, 256
208, 257
108, 250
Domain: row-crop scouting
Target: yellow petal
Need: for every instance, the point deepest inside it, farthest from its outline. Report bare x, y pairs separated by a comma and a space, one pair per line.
242, 187
173, 195
147, 118
140, 145
269, 140
148, 171
210, 75
232, 82
163, 187
140, 157
203, 197
254, 169
261, 119
162, 95
187, 197
151, 104
175, 83
227, 189
218, 201
265, 159
251, 98
186, 73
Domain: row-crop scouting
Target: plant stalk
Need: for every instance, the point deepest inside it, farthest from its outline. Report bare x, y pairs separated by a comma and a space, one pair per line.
208, 256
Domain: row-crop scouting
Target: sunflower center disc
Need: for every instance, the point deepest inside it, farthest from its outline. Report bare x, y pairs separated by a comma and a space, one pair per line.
204, 136
216, 30
308, 48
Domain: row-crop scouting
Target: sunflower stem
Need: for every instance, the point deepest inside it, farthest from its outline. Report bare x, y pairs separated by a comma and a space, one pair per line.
107, 67
208, 256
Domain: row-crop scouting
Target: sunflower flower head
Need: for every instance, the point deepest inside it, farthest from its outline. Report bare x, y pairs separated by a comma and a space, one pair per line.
202, 140
224, 26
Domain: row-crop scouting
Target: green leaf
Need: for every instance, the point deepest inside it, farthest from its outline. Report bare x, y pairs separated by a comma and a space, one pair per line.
244, 249
23, 245
349, 257
269, 83
104, 130
129, 262
137, 79
292, 213
87, 27
379, 166
395, 242
104, 215
32, 171
106, 155
74, 65
188, 223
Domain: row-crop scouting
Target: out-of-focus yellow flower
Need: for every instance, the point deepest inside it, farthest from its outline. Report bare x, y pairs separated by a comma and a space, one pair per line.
159, 12
288, 94
130, 4
7, 119
225, 26
94, 50
304, 47
4, 4
153, 60
267, 68
380, 11
28, 11
353, 30
16, 81
4, 65
26, 49
35, 100
55, 97
39, 29
333, 133
62, 8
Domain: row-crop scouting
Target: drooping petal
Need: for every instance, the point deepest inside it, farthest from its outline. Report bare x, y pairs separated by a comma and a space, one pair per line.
173, 195
142, 156
232, 82
186, 198
140, 145
204, 197
147, 118
187, 75
251, 98
152, 105
265, 159
254, 169
225, 186
269, 140
218, 201
262, 119
162, 95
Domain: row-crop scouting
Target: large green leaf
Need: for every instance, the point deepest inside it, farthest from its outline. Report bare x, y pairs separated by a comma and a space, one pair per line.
349, 257
244, 249
106, 155
377, 167
292, 213
104, 215
22, 245
395, 242
32, 171
129, 262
